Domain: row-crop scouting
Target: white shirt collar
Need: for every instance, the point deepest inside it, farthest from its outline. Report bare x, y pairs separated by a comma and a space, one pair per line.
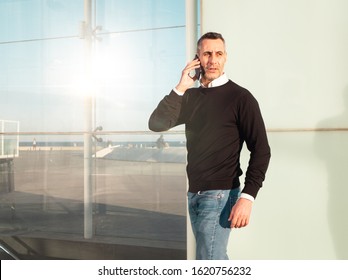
218, 81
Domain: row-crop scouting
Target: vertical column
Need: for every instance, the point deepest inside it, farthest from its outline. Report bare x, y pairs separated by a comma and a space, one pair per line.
191, 41
88, 106
191, 28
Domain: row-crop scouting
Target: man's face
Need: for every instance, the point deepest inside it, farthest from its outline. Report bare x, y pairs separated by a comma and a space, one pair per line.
213, 56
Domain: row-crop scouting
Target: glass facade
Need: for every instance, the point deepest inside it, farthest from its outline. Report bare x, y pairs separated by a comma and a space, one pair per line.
138, 187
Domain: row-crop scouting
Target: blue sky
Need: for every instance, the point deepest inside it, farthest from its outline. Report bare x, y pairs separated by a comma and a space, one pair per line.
137, 60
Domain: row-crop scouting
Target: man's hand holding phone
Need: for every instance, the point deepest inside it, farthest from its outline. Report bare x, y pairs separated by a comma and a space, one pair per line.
189, 75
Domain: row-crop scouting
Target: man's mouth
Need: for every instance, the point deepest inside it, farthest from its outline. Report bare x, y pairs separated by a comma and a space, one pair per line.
211, 70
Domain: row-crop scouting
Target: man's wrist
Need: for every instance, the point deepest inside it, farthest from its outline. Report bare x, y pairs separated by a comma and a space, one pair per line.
247, 196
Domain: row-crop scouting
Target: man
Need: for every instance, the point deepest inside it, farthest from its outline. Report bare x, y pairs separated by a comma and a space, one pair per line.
219, 117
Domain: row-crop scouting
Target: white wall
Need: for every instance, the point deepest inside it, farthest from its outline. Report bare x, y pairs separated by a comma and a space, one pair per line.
292, 55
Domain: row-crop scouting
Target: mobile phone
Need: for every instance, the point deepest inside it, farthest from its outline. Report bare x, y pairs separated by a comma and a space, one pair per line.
198, 71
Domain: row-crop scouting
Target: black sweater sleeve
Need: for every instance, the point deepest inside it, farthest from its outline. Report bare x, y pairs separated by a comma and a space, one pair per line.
253, 132
167, 113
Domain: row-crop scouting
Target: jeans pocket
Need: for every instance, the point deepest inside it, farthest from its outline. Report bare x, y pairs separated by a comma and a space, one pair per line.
211, 194
210, 203
226, 211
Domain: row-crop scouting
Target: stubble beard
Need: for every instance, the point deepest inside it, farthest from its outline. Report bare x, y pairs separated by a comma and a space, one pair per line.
208, 78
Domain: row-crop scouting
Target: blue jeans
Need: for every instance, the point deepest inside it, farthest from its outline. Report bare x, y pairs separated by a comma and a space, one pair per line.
209, 212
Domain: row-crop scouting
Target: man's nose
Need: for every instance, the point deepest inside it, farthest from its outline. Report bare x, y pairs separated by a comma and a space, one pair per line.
212, 59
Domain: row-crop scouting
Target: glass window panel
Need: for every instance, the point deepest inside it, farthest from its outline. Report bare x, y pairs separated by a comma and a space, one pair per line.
134, 71
118, 15
139, 190
37, 19
40, 80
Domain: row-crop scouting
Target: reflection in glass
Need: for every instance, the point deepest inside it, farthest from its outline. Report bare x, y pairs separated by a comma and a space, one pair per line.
139, 191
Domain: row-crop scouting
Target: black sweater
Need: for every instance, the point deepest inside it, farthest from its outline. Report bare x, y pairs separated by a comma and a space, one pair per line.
218, 121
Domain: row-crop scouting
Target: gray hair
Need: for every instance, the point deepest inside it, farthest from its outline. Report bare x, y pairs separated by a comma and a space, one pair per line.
210, 36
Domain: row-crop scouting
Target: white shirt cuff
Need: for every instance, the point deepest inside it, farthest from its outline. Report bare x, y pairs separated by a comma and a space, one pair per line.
247, 196
178, 92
